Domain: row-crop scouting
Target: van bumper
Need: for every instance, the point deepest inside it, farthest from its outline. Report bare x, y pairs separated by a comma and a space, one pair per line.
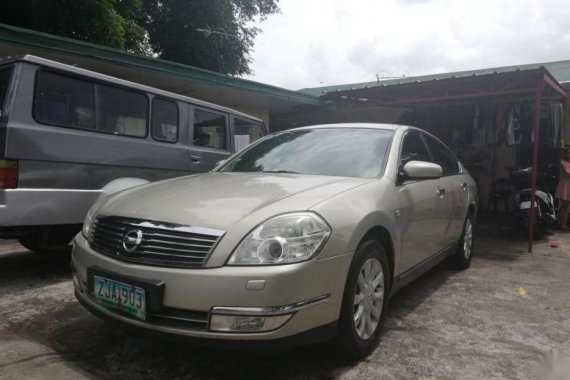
36, 207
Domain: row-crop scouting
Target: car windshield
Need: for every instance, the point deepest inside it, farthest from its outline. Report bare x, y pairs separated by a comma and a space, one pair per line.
347, 152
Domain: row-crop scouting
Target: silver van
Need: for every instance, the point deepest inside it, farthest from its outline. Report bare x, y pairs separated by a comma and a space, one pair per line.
69, 136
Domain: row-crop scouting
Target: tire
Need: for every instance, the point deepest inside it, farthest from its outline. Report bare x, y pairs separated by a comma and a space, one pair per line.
357, 340
45, 240
461, 259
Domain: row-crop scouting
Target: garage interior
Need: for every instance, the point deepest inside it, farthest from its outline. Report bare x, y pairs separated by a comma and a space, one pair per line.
488, 120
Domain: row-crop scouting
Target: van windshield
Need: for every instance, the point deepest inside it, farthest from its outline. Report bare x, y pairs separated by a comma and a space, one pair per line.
4, 83
347, 152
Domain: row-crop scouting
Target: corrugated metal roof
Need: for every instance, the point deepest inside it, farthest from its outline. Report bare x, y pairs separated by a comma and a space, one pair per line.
560, 70
30, 38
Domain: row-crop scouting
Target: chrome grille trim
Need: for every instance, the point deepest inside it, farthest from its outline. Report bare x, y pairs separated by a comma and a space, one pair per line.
163, 244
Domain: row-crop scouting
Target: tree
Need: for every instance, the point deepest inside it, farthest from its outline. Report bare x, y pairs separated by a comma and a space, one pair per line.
214, 34
105, 22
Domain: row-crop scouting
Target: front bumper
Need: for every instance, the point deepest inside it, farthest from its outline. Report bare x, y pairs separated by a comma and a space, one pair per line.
311, 292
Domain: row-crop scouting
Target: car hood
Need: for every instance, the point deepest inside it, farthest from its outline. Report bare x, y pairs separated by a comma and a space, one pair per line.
222, 200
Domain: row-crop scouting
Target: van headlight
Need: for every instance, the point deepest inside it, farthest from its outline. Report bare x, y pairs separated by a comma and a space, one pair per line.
283, 239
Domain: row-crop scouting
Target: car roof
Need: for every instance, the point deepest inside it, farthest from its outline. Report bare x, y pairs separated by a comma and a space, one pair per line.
388, 127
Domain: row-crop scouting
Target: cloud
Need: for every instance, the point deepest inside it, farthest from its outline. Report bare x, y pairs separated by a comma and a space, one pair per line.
316, 42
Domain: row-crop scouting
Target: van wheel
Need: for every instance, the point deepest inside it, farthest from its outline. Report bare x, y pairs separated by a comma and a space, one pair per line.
462, 257
49, 239
364, 302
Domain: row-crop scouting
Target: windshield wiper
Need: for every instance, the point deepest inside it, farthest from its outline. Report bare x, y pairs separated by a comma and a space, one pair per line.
280, 171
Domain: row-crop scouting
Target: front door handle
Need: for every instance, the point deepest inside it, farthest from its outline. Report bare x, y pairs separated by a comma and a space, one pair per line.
195, 158
440, 192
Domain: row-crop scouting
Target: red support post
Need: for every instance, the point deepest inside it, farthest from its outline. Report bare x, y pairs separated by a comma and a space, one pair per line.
536, 128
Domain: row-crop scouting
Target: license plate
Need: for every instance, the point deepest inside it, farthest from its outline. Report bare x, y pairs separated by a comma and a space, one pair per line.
526, 204
119, 296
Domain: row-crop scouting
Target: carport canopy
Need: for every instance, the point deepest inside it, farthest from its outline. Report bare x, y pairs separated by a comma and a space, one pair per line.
537, 84
512, 85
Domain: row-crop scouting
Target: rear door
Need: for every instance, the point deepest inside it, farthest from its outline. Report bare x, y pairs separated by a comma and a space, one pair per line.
420, 217
209, 140
454, 189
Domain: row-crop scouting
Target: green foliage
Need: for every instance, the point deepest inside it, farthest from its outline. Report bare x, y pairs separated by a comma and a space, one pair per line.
106, 22
212, 34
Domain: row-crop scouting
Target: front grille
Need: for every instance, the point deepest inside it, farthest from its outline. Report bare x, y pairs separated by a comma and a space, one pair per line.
153, 243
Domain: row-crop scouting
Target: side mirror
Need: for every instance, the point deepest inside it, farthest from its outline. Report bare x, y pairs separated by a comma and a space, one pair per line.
422, 170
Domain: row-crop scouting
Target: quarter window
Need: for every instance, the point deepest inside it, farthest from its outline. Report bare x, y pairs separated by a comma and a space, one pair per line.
210, 129
246, 132
164, 120
70, 102
443, 157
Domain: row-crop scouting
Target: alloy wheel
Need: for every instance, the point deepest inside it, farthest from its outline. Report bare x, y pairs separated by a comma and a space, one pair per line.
368, 298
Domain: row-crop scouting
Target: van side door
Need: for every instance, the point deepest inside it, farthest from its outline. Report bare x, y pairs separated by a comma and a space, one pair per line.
209, 139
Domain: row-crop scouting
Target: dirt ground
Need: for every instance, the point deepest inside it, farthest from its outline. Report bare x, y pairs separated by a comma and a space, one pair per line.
506, 317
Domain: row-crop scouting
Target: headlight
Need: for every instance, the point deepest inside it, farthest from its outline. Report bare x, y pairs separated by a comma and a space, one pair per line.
87, 222
284, 239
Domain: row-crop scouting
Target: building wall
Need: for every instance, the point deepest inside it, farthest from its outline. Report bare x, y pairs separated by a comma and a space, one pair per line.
262, 113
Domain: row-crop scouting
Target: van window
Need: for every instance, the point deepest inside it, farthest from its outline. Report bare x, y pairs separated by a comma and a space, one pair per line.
64, 101
70, 102
210, 129
121, 112
4, 83
164, 120
246, 132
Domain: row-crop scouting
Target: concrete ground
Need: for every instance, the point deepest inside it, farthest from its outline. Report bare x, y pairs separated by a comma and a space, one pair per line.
506, 317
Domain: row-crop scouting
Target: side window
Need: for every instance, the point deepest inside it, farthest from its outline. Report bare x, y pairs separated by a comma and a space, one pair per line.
443, 156
246, 132
64, 101
5, 75
121, 112
210, 129
413, 149
75, 103
164, 124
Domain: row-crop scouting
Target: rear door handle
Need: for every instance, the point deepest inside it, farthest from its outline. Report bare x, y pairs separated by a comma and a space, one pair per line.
440, 192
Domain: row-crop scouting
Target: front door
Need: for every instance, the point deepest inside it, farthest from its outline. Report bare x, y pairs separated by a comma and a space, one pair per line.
454, 185
420, 213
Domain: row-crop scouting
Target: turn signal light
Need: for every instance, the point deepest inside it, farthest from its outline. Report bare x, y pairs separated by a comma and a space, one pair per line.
8, 174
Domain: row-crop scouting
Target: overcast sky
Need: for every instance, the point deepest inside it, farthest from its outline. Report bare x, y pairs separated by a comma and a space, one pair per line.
316, 43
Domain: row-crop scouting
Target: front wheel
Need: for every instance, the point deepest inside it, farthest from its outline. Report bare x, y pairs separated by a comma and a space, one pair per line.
364, 302
461, 259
